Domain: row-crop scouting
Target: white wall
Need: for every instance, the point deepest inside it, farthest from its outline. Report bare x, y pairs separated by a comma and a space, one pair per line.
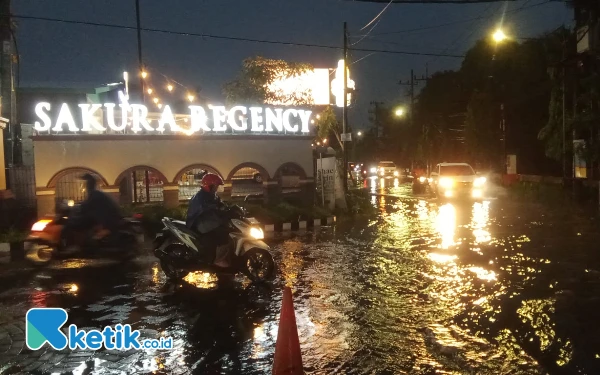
113, 155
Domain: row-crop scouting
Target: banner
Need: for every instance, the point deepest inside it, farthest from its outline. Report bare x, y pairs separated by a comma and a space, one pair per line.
326, 177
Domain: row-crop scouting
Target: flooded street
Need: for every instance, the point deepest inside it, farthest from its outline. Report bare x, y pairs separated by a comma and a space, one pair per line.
427, 287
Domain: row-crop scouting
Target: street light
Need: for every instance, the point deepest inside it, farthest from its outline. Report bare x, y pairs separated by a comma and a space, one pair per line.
399, 112
499, 36
359, 134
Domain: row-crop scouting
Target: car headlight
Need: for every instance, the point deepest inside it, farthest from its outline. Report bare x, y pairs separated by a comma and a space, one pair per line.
446, 182
422, 179
257, 233
479, 182
373, 170
396, 173
39, 226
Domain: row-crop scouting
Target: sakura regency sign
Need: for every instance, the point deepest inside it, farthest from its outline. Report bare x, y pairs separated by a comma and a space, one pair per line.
98, 118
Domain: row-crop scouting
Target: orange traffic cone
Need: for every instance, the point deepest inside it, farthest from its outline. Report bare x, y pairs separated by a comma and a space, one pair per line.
288, 358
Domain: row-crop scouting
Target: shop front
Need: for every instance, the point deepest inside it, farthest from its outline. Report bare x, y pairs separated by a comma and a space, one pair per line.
142, 157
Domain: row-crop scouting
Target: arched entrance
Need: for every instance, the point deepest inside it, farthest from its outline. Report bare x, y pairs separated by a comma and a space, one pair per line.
247, 179
68, 184
289, 176
140, 184
188, 179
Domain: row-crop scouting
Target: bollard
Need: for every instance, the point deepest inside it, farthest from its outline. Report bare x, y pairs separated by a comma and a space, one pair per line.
288, 358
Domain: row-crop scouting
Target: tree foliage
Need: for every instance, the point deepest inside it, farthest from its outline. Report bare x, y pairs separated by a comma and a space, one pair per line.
461, 111
256, 83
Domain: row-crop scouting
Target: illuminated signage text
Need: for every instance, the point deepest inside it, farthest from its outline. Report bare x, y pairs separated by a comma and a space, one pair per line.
215, 118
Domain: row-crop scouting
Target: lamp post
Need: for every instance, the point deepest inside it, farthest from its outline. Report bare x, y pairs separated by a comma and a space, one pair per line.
500, 36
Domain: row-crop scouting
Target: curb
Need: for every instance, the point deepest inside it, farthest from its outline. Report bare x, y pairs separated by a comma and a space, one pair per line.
299, 225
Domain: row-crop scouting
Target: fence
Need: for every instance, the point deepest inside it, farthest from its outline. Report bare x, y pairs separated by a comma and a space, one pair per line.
21, 181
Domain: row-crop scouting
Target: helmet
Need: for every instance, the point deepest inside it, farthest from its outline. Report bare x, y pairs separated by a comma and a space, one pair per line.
209, 180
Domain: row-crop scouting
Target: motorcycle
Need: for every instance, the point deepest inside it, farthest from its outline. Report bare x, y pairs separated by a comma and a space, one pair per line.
45, 241
180, 248
420, 185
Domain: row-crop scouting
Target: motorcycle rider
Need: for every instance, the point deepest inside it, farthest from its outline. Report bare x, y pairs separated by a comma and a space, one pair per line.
98, 209
206, 216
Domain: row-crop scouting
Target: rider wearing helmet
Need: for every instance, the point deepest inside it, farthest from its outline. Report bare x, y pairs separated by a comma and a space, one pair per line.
205, 214
98, 209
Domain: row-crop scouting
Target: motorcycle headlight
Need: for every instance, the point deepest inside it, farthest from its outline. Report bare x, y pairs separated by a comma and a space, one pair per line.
39, 226
446, 182
422, 179
479, 182
373, 170
257, 233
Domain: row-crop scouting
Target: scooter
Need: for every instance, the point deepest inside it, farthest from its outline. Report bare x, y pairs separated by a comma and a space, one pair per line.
180, 249
45, 241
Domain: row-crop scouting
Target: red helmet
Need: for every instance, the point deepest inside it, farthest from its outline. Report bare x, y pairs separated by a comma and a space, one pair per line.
209, 180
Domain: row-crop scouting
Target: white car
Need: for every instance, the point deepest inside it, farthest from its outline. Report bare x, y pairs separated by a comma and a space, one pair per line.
385, 169
457, 179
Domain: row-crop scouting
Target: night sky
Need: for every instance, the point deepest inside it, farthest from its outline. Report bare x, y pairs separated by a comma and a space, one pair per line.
66, 55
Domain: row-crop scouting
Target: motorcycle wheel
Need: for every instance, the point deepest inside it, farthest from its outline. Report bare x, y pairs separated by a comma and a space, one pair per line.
172, 272
258, 265
39, 254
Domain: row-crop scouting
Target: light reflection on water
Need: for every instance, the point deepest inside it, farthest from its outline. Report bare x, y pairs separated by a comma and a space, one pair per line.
425, 288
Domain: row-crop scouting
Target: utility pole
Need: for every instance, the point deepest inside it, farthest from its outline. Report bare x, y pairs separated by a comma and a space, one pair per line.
7, 89
345, 109
425, 133
414, 81
376, 120
139, 43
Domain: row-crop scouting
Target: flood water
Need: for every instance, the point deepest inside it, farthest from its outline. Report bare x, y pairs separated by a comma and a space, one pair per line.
492, 287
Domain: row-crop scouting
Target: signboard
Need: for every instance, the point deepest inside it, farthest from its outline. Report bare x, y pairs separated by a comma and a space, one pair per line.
215, 118
579, 164
346, 137
337, 85
311, 87
326, 173
511, 164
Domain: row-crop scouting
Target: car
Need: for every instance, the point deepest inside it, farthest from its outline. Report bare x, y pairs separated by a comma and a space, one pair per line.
384, 169
451, 180
248, 173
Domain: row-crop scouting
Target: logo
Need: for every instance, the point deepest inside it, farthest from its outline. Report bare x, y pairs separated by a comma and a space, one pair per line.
44, 325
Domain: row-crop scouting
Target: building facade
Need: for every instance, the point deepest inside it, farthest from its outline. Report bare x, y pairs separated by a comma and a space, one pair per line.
257, 151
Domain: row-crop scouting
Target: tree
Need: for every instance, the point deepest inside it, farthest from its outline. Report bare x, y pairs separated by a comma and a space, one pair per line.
481, 130
260, 81
462, 110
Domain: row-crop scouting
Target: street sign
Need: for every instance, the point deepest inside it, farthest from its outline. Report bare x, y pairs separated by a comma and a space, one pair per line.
347, 137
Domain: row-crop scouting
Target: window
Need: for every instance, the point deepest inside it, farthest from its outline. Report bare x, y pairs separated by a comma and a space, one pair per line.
456, 170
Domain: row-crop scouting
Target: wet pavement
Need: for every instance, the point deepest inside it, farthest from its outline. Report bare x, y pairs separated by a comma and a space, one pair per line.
427, 287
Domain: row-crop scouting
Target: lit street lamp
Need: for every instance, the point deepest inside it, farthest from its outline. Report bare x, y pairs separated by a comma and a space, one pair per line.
359, 134
499, 36
399, 112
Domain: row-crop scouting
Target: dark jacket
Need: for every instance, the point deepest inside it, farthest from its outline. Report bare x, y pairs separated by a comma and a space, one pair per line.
101, 209
201, 203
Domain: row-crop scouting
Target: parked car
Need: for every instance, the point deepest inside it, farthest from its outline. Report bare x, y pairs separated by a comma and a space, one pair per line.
248, 174
457, 179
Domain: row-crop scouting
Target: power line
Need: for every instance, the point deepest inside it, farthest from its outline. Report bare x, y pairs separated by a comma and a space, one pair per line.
463, 20
433, 1
376, 17
222, 37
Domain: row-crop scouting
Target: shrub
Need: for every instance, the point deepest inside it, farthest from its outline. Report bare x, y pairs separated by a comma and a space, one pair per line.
13, 235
